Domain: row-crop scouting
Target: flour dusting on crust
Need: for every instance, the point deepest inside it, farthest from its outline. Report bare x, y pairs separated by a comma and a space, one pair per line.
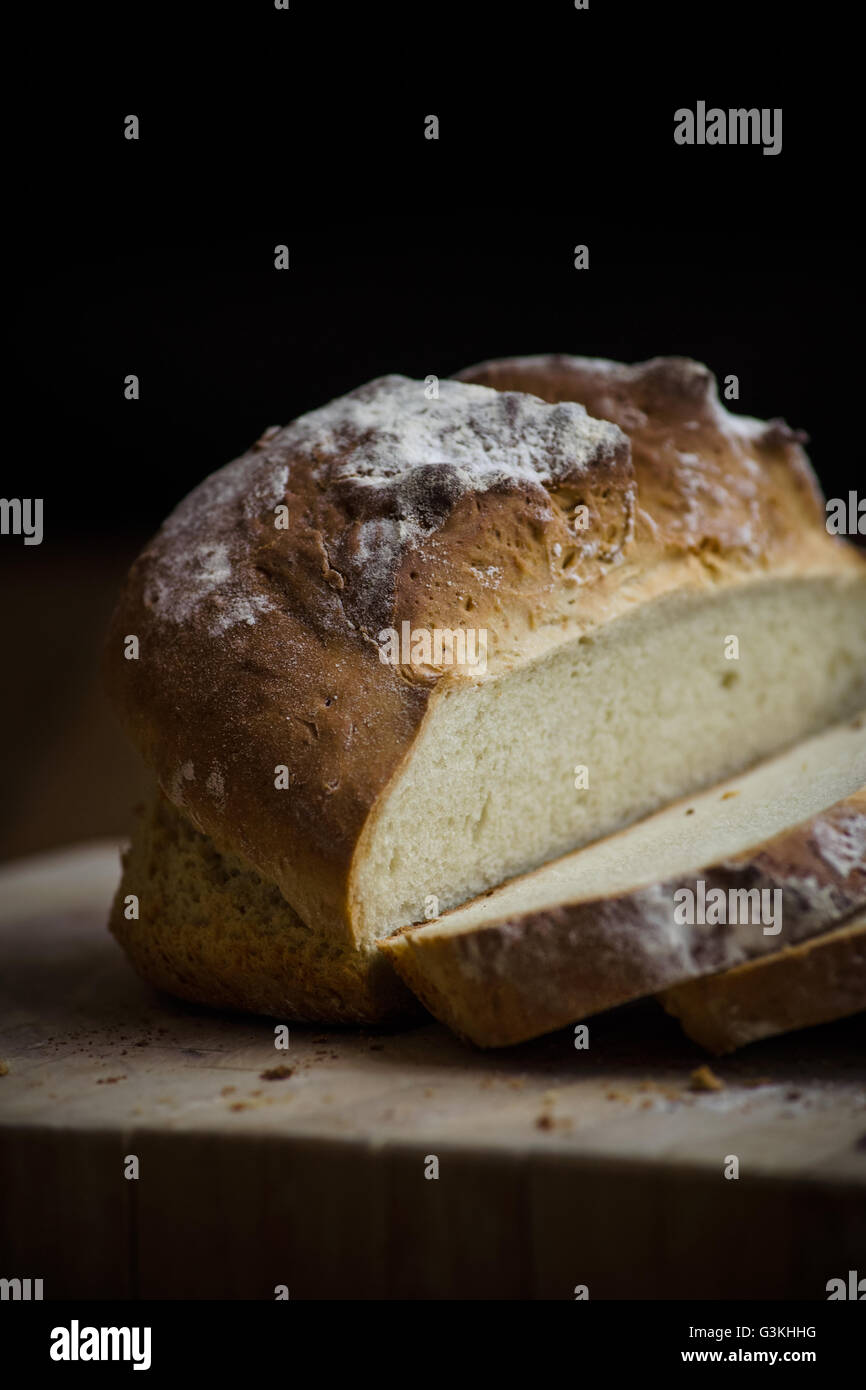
842, 844
386, 432
192, 560
377, 472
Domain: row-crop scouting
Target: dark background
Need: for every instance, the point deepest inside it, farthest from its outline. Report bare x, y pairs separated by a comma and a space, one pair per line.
225, 345
306, 127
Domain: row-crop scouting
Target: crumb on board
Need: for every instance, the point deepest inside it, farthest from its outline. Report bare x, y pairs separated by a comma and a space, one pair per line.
228, 1090
4, 1068
544, 1122
703, 1079
276, 1073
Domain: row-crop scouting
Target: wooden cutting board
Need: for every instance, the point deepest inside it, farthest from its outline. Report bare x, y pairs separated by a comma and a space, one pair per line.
557, 1167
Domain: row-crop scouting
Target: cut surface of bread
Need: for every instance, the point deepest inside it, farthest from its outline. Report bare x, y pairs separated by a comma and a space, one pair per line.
818, 981
598, 927
649, 705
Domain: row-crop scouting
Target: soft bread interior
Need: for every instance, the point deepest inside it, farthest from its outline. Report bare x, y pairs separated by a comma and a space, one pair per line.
654, 710
727, 820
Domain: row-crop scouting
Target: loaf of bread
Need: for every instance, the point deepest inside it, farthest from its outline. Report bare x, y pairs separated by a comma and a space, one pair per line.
648, 580
822, 979
610, 923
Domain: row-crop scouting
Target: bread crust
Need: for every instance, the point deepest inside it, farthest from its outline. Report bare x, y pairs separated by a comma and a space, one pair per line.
258, 644
505, 982
818, 981
206, 927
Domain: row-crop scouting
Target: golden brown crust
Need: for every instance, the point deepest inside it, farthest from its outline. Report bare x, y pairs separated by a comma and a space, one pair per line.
818, 981
208, 928
258, 642
505, 982
708, 481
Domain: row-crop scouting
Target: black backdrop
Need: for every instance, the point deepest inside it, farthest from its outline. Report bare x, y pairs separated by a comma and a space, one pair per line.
306, 127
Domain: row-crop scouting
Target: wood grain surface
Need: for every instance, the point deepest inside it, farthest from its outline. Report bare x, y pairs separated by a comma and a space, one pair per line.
558, 1167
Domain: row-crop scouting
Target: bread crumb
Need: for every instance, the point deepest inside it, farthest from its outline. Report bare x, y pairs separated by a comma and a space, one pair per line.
727, 796
109, 1080
703, 1079
544, 1122
239, 1105
4, 1068
228, 1090
276, 1073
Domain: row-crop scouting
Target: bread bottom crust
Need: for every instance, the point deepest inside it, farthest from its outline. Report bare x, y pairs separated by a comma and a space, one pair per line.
818, 981
212, 930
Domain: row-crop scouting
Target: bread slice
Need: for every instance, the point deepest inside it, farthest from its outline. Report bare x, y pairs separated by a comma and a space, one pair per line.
821, 979
598, 927
659, 599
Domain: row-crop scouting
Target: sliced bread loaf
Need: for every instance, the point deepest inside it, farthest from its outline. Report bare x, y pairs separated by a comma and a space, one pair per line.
663, 617
611, 922
821, 979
